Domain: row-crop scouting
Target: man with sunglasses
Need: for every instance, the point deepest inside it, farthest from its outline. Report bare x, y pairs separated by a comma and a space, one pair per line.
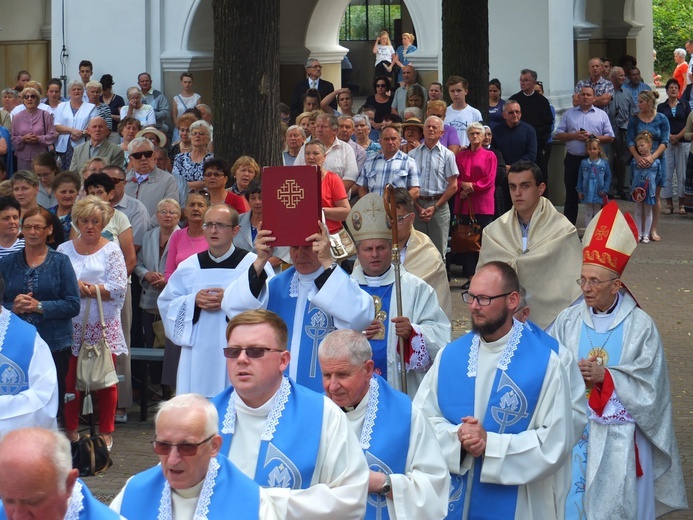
145, 182
190, 305
499, 401
193, 480
628, 464
97, 146
292, 441
314, 297
423, 325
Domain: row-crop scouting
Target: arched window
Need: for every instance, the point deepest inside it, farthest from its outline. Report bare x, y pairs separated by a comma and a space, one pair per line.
364, 19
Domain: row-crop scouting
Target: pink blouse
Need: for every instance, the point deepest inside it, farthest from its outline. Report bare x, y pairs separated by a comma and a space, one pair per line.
39, 123
182, 246
479, 168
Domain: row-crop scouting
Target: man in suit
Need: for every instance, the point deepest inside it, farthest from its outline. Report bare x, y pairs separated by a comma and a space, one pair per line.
314, 71
97, 146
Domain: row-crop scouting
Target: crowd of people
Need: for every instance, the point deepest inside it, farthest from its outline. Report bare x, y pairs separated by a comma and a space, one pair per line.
320, 380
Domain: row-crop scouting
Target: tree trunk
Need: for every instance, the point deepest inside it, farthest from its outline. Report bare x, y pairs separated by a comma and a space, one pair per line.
466, 48
246, 80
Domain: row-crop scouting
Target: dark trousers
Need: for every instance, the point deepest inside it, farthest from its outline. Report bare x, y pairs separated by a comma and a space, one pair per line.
61, 358
543, 155
619, 179
571, 165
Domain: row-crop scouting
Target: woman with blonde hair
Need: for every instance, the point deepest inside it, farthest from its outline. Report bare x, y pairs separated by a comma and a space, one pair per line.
400, 55
96, 262
244, 170
384, 52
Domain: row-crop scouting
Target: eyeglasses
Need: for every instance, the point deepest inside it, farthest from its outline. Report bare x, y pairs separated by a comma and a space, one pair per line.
484, 301
30, 96
214, 174
166, 212
251, 352
185, 449
315, 67
138, 155
199, 134
584, 282
218, 225
37, 227
402, 218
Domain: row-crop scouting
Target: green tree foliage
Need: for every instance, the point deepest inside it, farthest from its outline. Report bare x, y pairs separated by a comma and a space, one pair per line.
672, 26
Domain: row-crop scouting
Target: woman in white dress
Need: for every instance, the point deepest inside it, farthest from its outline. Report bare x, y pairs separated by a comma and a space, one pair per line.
71, 119
96, 261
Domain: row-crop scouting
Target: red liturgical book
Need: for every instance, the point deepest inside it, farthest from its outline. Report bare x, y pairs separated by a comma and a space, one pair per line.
291, 203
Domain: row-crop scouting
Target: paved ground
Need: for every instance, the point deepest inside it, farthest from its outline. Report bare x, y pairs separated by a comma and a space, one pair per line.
659, 274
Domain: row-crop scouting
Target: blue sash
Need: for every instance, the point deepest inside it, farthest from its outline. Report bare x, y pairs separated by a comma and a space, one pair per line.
550, 341
290, 441
379, 346
612, 341
15, 356
225, 488
316, 325
514, 396
385, 447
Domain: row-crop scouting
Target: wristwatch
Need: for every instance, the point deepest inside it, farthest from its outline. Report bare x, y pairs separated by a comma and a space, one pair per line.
387, 486
39, 307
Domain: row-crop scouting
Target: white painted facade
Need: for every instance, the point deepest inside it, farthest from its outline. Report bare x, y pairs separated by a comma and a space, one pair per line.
554, 37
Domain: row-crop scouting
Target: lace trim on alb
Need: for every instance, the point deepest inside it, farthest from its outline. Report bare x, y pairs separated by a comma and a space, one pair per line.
371, 414
614, 412
76, 499
277, 410
293, 286
179, 327
4, 323
202, 508
506, 356
420, 359
282, 397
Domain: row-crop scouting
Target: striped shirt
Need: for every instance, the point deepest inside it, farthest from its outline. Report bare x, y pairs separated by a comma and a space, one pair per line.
400, 170
17, 246
436, 165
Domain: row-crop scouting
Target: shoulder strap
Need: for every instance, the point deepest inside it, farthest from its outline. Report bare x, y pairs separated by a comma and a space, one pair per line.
86, 313
472, 219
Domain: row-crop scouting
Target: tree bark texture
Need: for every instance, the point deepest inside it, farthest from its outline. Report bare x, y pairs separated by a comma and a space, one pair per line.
246, 80
466, 48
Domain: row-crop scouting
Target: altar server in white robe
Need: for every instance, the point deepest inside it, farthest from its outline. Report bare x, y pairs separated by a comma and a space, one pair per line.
38, 481
423, 325
28, 381
499, 401
408, 474
314, 297
292, 441
193, 480
627, 464
190, 305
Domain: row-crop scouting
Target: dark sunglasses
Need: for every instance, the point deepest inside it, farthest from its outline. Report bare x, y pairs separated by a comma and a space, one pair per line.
213, 174
185, 449
30, 96
251, 352
139, 155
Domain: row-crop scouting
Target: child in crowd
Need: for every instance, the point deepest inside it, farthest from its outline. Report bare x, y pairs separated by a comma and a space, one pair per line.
594, 178
644, 182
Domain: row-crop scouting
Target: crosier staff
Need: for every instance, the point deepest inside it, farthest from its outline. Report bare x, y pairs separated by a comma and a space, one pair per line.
391, 210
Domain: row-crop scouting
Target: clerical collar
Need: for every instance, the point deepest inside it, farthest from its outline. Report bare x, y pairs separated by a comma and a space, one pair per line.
611, 309
223, 257
190, 492
377, 281
311, 277
497, 345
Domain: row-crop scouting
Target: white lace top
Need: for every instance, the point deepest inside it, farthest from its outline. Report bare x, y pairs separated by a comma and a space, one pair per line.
106, 266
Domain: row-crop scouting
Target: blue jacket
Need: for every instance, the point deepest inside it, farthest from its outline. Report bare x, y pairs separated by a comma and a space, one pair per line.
54, 284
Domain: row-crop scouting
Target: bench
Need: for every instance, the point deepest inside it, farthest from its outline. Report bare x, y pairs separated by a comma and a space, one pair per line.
144, 356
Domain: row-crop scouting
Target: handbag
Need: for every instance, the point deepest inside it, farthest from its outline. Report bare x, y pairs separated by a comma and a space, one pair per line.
95, 369
466, 238
159, 333
342, 245
90, 455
